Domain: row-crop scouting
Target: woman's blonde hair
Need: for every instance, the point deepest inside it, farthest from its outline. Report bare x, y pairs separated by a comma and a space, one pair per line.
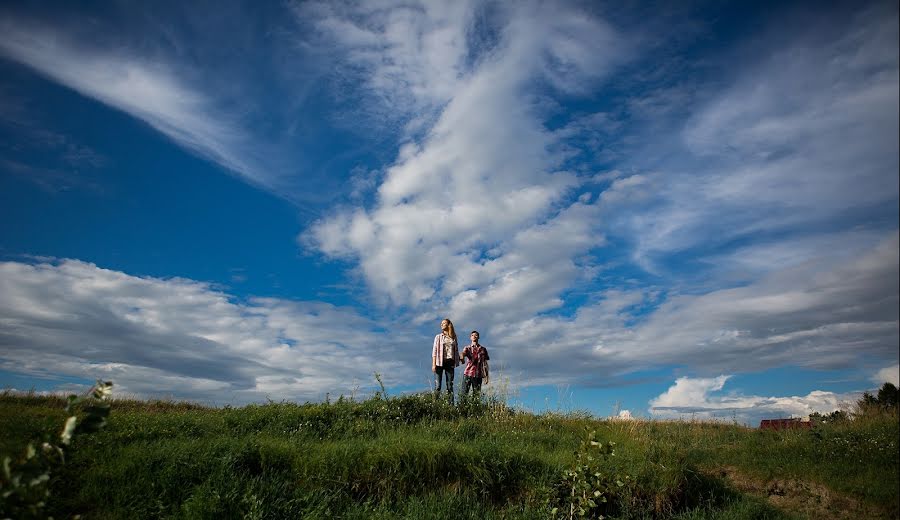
450, 330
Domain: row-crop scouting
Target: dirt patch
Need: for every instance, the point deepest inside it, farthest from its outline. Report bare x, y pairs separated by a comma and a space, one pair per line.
801, 497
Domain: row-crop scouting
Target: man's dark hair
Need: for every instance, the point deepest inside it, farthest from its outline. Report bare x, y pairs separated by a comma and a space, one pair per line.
474, 332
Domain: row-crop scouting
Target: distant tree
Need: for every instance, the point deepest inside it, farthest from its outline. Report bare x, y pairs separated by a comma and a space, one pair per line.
868, 400
885, 400
829, 418
837, 416
888, 396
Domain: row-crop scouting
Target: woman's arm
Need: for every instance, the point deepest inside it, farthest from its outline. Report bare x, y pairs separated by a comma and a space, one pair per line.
435, 351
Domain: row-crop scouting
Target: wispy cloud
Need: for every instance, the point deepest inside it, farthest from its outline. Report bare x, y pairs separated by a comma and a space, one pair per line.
411, 57
148, 91
802, 138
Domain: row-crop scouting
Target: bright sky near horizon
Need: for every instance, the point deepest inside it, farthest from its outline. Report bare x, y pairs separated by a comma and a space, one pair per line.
647, 209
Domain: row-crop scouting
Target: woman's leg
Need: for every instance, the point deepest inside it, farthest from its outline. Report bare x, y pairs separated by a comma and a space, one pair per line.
449, 374
437, 380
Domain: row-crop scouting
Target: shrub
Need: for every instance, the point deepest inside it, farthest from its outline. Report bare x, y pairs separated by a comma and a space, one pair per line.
588, 489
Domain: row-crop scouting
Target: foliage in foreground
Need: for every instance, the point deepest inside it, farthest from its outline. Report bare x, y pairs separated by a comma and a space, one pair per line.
416, 457
24, 484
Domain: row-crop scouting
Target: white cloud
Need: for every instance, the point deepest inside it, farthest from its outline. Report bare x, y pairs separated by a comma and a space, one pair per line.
700, 398
412, 54
156, 337
624, 415
888, 375
472, 213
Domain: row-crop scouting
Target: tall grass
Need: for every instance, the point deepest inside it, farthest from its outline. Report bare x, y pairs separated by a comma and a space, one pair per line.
416, 457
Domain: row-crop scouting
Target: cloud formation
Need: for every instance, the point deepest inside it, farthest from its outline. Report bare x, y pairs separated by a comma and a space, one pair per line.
888, 375
470, 215
156, 337
593, 209
701, 398
194, 340
754, 221
802, 139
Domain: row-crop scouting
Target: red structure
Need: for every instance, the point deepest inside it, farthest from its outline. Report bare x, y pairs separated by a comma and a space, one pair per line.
783, 424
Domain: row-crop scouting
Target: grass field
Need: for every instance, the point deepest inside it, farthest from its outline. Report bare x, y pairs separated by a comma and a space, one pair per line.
412, 457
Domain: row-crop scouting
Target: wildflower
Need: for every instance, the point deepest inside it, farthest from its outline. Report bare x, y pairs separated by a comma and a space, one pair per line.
68, 430
102, 389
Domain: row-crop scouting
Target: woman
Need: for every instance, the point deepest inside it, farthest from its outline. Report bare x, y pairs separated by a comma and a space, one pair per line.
444, 357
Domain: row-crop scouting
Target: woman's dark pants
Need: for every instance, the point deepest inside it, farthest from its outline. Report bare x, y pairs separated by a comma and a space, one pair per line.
447, 371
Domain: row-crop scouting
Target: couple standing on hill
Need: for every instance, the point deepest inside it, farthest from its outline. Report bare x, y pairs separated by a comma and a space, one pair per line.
445, 357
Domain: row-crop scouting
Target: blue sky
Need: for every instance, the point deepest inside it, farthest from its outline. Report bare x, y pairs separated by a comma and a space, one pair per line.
650, 210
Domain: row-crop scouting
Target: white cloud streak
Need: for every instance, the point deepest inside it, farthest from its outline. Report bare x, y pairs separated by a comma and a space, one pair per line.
150, 90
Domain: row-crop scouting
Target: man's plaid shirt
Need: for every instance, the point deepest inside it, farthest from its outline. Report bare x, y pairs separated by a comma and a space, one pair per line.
475, 357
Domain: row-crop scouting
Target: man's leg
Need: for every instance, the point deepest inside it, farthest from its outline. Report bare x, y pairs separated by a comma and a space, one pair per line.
476, 386
467, 383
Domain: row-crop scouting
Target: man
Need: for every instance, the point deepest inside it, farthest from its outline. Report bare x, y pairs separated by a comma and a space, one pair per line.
476, 357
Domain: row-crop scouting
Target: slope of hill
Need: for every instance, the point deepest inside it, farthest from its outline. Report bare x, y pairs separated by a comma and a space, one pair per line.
413, 457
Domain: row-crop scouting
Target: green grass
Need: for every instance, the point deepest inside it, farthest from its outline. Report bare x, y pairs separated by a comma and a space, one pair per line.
412, 457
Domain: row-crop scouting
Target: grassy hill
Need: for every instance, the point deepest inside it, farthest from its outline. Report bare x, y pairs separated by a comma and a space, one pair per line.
412, 457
